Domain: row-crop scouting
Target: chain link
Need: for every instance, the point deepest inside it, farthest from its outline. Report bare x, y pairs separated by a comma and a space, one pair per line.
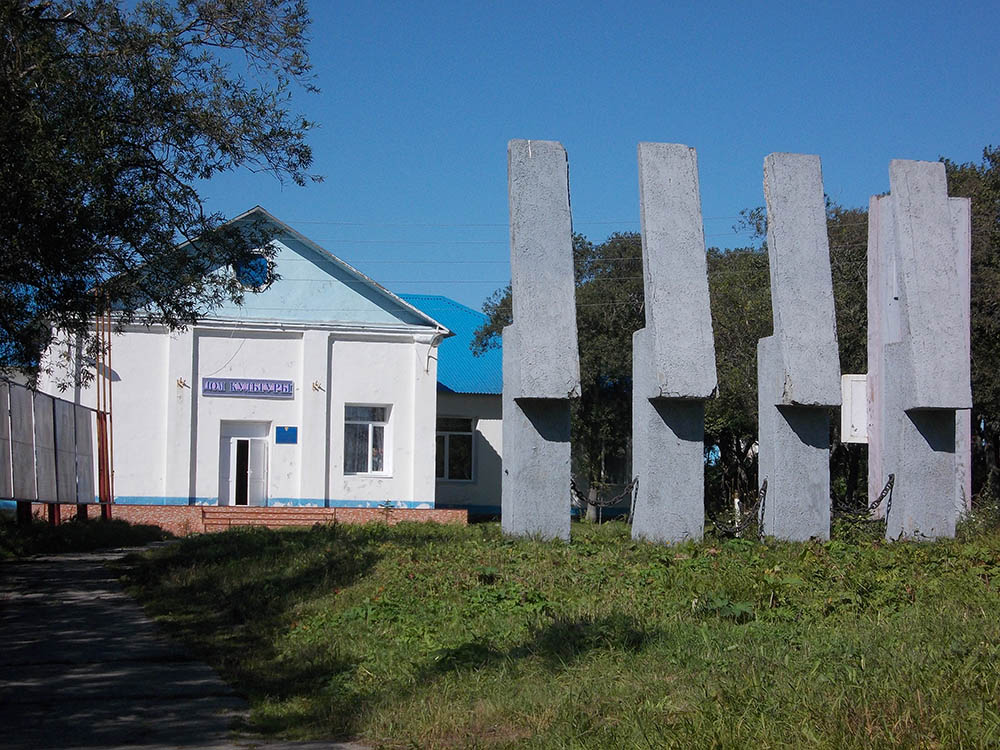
886, 493
756, 513
583, 501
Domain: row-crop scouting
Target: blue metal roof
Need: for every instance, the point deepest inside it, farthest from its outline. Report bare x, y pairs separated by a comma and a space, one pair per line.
459, 371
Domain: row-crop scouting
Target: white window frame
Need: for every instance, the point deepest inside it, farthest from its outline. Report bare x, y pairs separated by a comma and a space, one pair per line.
447, 454
386, 470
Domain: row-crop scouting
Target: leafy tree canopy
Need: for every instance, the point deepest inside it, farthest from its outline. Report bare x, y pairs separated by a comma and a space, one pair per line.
112, 114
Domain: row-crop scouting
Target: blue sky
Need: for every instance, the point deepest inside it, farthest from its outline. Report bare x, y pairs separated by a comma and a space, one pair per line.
418, 101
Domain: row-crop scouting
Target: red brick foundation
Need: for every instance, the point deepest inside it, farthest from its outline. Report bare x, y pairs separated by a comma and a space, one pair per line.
182, 520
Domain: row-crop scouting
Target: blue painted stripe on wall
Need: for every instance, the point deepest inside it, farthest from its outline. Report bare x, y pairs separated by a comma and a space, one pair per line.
276, 502
291, 502
159, 500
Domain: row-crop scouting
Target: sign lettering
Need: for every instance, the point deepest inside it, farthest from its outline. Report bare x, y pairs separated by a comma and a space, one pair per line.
248, 388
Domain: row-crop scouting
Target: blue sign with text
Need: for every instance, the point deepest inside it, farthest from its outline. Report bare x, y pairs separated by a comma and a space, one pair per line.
286, 435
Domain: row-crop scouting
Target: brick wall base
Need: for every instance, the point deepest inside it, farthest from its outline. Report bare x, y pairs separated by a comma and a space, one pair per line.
181, 520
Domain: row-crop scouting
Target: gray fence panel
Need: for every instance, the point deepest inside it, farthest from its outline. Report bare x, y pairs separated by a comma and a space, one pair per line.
85, 426
6, 485
65, 423
45, 448
22, 443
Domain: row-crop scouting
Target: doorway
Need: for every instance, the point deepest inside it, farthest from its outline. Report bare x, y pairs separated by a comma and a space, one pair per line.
243, 463
249, 456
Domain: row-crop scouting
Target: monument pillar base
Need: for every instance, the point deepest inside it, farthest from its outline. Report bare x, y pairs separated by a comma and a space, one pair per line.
793, 456
535, 496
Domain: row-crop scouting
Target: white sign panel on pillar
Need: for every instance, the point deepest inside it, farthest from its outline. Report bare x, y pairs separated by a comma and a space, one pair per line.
854, 409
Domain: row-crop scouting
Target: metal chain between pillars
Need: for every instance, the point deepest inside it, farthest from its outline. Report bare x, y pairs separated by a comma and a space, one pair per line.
886, 493
756, 513
583, 501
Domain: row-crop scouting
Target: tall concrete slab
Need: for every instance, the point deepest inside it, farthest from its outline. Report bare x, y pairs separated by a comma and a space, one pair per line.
22, 443
541, 268
45, 448
799, 366
675, 274
801, 282
6, 482
541, 367
919, 248
673, 357
961, 221
927, 266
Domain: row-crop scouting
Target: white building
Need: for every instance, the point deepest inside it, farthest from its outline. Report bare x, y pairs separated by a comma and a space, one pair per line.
469, 422
320, 390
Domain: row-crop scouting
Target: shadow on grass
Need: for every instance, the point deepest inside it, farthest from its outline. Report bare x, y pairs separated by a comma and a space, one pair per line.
231, 596
41, 538
557, 643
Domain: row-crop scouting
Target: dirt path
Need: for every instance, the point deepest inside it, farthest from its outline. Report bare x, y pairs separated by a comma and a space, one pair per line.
81, 666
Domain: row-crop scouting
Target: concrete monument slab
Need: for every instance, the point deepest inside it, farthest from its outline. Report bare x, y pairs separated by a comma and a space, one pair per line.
541, 368
799, 366
673, 357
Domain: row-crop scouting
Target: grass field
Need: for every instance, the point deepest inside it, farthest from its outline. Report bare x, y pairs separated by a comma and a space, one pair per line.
443, 637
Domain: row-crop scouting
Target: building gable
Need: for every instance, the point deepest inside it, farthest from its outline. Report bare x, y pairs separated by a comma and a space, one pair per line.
316, 286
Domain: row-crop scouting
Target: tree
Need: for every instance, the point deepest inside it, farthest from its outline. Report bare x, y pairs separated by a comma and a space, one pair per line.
981, 183
740, 292
111, 117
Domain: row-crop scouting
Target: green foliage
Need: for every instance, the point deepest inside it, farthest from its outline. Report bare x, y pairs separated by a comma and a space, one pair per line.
113, 113
740, 292
429, 636
41, 538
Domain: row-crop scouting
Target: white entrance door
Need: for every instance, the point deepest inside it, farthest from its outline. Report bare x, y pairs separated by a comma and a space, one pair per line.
248, 471
243, 463
257, 472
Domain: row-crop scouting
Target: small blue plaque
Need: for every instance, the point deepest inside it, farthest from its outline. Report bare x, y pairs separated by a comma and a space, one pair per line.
286, 435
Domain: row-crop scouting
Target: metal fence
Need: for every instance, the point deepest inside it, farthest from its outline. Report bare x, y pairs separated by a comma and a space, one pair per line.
46, 448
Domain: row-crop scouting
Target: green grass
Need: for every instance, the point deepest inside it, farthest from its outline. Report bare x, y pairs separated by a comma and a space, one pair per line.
433, 636
41, 538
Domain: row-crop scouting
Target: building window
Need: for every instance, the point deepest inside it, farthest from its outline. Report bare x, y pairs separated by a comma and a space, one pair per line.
365, 439
454, 448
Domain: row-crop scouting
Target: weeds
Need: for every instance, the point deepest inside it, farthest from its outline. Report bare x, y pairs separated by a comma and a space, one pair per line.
431, 636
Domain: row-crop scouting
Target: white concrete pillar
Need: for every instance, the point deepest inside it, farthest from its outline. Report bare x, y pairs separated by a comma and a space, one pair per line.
182, 393
424, 418
314, 425
541, 368
673, 357
919, 350
799, 366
